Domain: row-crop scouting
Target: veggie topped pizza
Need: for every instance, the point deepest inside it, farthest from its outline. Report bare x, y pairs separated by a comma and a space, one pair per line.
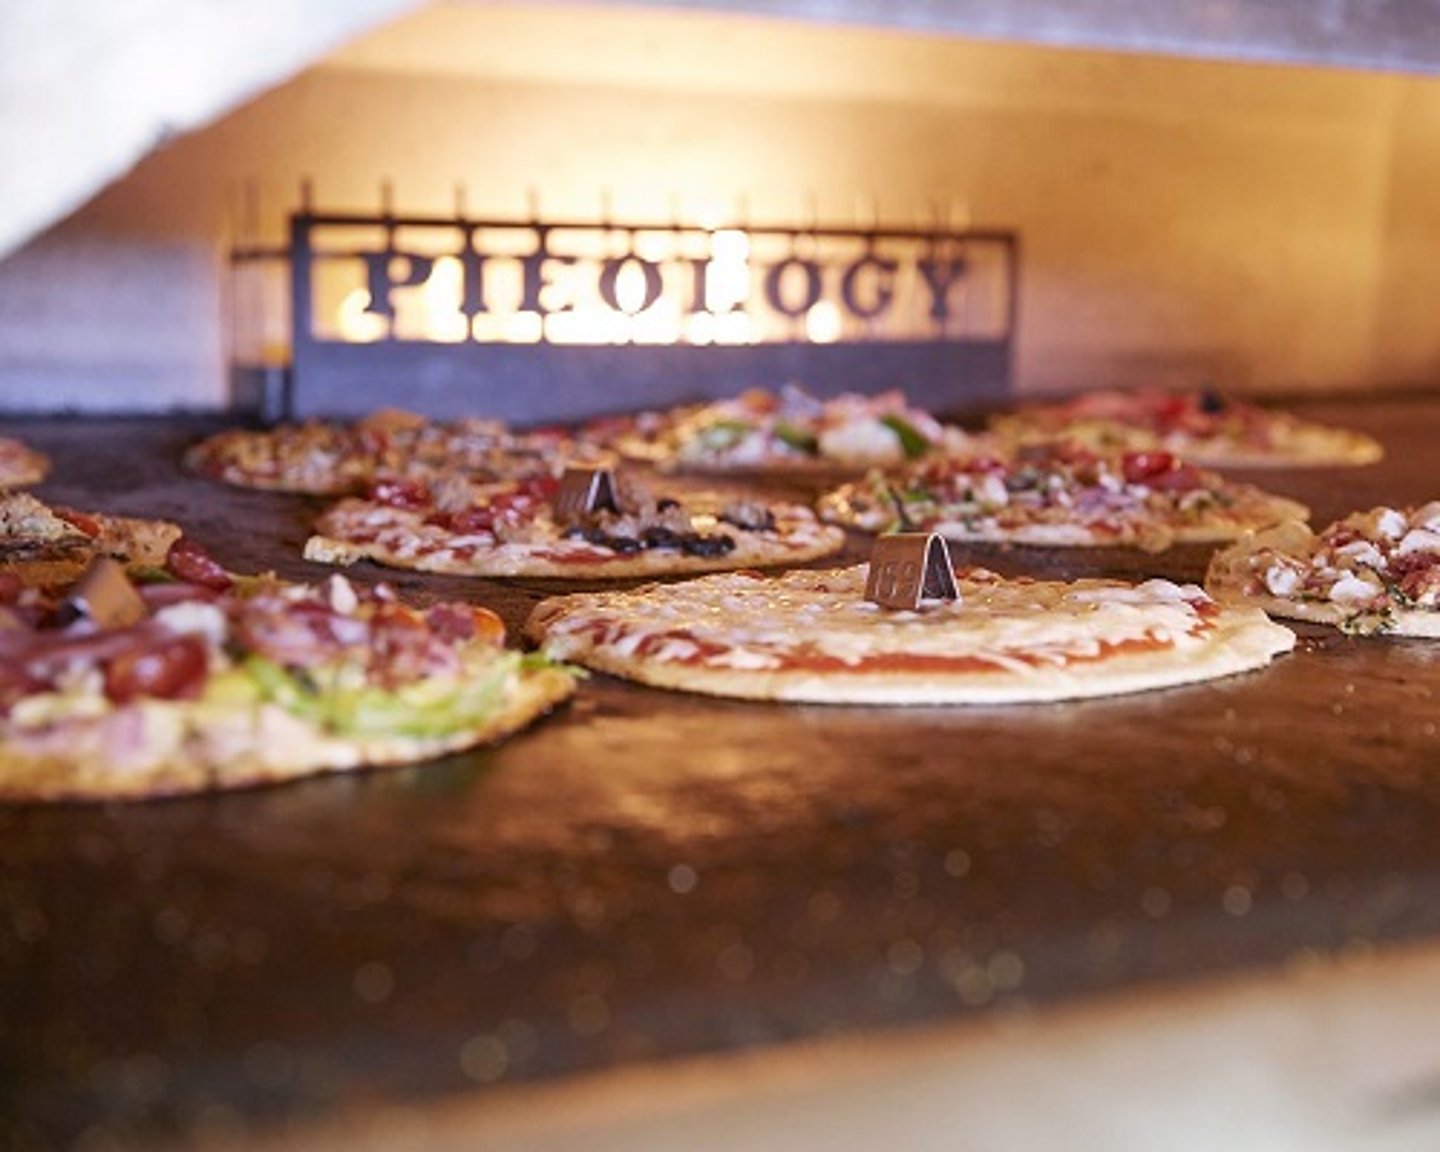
788, 431
112, 689
1059, 494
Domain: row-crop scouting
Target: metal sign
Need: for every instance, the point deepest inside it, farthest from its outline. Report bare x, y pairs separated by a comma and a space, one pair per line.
583, 491
530, 320
907, 567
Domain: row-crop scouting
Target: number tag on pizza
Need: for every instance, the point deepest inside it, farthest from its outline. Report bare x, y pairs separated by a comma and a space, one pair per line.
106, 596
582, 491
907, 567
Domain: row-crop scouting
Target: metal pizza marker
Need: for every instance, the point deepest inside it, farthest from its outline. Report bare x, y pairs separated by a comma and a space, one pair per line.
584, 490
907, 567
105, 595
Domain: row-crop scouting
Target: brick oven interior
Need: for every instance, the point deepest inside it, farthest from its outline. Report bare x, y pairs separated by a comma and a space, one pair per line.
1190, 216
1196, 917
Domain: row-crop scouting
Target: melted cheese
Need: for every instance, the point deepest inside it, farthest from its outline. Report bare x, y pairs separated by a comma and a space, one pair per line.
742, 621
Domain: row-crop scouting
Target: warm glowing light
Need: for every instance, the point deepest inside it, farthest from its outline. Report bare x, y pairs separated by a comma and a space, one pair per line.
658, 324
523, 328
736, 328
727, 275
709, 215
441, 318
630, 289
577, 309
823, 323
355, 324
586, 326
700, 328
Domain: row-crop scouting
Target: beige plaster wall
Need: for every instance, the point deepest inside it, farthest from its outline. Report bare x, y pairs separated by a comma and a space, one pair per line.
1263, 228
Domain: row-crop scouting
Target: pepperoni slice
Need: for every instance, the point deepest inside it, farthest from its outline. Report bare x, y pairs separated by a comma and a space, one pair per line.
397, 493
81, 520
191, 563
1144, 467
170, 669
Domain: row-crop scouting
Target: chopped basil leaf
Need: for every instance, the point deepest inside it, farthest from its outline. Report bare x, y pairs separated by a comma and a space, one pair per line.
798, 438
912, 441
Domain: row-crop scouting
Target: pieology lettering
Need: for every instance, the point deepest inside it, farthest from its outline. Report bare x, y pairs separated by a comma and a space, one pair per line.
862, 287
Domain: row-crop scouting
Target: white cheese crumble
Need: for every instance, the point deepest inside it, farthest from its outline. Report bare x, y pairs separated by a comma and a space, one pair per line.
862, 441
1353, 588
1281, 580
194, 617
1391, 523
1418, 540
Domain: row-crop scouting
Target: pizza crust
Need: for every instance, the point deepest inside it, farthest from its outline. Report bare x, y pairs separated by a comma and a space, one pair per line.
807, 636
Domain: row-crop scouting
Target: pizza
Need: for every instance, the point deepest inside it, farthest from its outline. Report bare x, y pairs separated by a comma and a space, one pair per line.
332, 459
43, 544
1201, 425
1370, 572
811, 635
1060, 494
118, 690
20, 465
512, 529
788, 431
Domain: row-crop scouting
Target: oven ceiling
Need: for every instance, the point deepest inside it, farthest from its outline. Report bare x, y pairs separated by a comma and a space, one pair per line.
88, 90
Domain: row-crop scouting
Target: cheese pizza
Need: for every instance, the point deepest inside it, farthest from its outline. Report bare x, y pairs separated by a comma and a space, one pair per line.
813, 636
1201, 425
1060, 494
513, 529
113, 690
1373, 571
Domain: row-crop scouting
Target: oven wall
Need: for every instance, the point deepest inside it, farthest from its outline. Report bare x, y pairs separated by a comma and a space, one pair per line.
1264, 228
